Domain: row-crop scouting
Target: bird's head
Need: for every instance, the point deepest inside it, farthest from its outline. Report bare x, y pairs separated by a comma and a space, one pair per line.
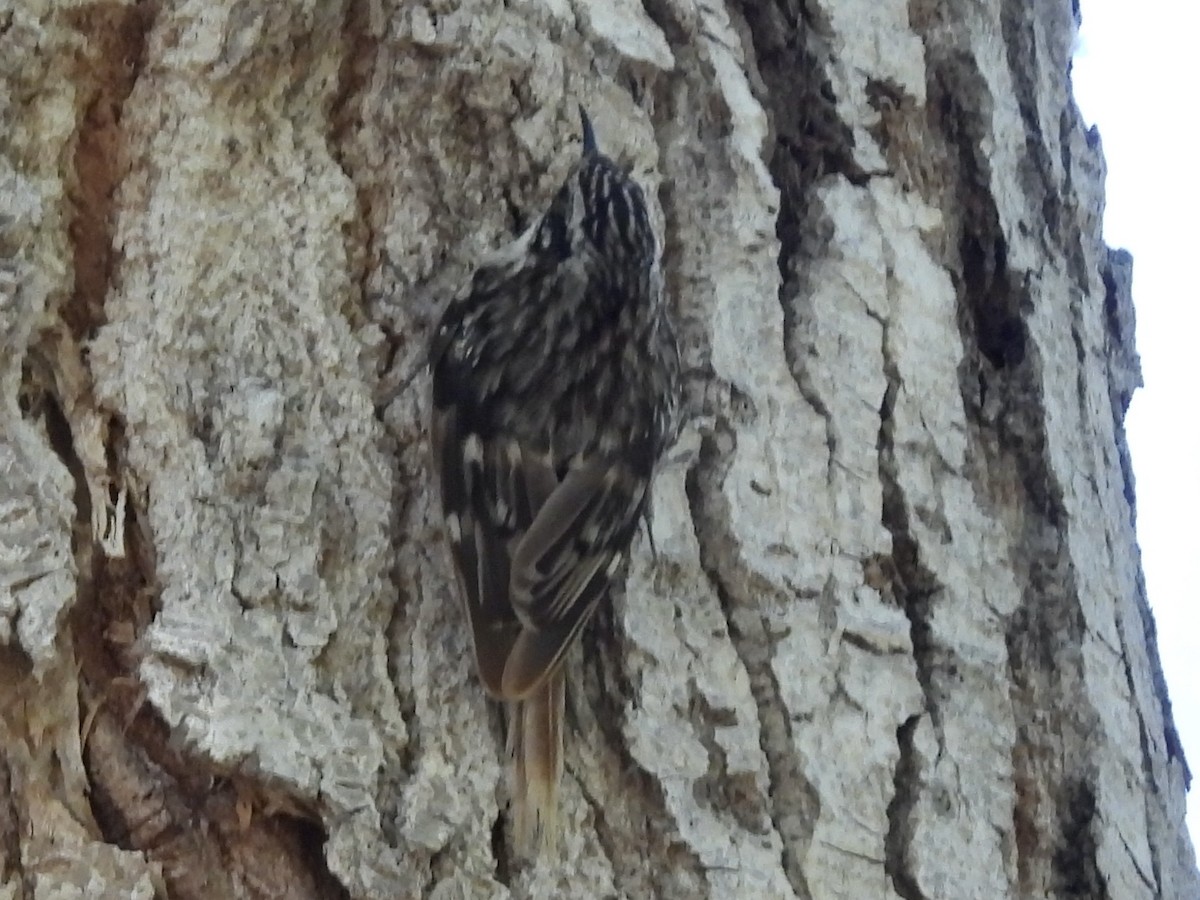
601, 206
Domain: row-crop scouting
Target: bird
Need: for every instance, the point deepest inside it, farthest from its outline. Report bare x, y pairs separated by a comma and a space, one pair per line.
554, 377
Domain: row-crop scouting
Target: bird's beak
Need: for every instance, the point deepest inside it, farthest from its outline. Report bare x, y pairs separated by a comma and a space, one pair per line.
589, 136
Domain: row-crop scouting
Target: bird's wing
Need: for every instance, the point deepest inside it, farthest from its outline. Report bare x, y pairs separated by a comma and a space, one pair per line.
468, 468
563, 563
479, 547
533, 554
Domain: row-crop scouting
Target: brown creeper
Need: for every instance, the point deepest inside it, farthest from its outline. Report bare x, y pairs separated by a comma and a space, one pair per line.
555, 376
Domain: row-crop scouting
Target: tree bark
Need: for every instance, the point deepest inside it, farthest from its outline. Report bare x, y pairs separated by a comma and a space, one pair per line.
892, 637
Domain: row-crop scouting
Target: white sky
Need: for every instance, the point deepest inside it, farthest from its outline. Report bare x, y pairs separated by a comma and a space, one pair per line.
1135, 76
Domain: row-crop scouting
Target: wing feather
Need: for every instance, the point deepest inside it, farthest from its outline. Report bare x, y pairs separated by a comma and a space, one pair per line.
563, 564
537, 653
479, 549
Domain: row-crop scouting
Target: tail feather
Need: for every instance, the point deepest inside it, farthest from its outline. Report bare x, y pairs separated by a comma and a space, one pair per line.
535, 747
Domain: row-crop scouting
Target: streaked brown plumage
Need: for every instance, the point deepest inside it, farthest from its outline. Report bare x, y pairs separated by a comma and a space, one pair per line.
554, 379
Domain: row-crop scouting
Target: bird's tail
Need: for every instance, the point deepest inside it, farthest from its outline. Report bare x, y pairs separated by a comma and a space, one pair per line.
535, 748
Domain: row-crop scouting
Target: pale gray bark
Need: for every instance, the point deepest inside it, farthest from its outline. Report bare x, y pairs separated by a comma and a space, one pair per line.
894, 641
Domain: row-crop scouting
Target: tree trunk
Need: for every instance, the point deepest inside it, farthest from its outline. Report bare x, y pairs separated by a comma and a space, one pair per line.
892, 637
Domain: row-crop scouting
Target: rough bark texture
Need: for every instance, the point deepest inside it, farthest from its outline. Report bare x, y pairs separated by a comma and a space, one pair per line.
894, 641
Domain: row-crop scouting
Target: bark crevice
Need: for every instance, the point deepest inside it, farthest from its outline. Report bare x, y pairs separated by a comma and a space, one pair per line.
793, 803
915, 589
1000, 383
905, 787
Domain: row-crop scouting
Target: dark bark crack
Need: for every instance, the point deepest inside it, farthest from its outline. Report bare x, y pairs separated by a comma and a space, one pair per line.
599, 693
12, 825
116, 36
1000, 380
810, 142
718, 789
1019, 28
793, 803
905, 790
915, 588
359, 46
1075, 859
213, 836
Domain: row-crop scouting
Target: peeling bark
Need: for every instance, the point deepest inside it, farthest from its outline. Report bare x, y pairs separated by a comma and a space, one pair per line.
893, 639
